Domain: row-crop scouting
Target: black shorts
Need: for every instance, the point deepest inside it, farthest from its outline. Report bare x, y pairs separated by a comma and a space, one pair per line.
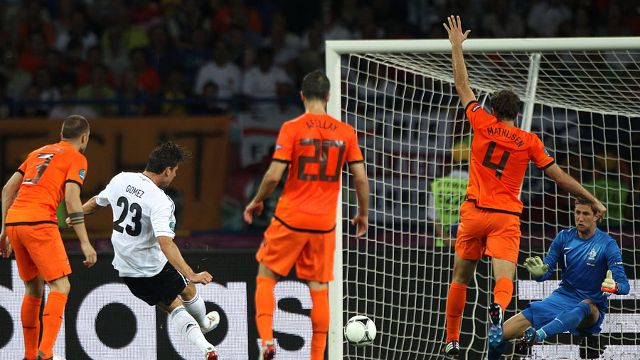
163, 287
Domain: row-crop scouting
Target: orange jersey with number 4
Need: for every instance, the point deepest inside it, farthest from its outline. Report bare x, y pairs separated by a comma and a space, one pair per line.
45, 173
500, 155
316, 147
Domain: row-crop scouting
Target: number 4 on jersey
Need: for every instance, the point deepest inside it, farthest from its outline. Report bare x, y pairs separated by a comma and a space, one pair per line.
499, 167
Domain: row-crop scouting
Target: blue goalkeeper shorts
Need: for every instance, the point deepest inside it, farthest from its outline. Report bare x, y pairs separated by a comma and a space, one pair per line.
540, 313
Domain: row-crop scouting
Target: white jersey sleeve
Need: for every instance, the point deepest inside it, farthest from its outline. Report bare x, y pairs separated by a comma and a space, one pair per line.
102, 199
163, 220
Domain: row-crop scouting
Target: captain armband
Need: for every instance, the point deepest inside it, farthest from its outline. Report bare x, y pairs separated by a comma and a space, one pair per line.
76, 218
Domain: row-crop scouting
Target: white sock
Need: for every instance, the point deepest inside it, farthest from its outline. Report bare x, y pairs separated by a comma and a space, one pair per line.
198, 310
187, 325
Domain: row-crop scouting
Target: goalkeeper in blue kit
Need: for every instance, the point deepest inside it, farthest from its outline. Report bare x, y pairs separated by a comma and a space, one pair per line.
592, 270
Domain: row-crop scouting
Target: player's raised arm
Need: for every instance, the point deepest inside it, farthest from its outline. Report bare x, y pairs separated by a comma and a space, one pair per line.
460, 75
568, 183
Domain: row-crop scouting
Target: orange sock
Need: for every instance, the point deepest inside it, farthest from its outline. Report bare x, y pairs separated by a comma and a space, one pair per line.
265, 305
51, 321
503, 292
30, 313
456, 300
320, 322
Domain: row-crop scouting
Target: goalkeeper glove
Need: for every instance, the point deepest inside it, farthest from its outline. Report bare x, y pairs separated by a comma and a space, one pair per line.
609, 285
535, 266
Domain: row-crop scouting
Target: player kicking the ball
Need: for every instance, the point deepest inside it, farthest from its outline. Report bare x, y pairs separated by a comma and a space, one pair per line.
490, 216
587, 256
147, 259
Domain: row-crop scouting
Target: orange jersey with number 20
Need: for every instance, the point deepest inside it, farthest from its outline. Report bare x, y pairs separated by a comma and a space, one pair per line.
316, 146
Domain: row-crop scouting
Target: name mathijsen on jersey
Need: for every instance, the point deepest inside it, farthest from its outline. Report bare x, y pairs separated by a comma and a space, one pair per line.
498, 131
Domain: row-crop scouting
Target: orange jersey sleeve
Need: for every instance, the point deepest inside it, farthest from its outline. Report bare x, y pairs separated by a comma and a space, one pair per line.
23, 167
317, 147
77, 169
500, 156
539, 155
477, 115
354, 154
284, 144
45, 172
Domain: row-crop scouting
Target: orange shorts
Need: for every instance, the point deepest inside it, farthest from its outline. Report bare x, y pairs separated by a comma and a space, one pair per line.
487, 232
39, 251
312, 253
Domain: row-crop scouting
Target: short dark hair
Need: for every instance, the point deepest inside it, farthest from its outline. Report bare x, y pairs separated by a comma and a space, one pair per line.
505, 104
74, 126
315, 85
167, 154
583, 201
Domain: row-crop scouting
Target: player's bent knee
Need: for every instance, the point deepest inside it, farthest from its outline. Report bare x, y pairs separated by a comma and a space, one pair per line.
503, 268
34, 287
189, 292
593, 307
169, 308
61, 285
315, 285
264, 271
515, 327
594, 312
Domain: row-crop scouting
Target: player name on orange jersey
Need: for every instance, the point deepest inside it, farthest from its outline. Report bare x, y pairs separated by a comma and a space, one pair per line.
499, 131
321, 124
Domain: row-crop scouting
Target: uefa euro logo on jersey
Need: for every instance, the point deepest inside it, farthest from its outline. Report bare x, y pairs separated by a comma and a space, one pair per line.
591, 258
82, 173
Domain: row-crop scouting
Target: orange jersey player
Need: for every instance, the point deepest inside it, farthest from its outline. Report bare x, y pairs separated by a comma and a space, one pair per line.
29, 223
490, 216
314, 148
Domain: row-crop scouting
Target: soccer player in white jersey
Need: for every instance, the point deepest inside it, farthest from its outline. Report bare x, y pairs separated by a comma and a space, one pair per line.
147, 259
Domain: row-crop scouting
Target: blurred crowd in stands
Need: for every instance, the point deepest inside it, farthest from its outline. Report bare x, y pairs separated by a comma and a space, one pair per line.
178, 57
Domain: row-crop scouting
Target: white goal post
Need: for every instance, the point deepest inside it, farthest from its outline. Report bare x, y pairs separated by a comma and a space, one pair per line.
580, 95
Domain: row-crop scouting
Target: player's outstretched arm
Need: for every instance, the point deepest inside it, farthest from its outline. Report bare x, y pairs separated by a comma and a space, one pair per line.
361, 184
76, 220
88, 208
9, 193
566, 182
269, 182
542, 270
175, 258
91, 206
460, 75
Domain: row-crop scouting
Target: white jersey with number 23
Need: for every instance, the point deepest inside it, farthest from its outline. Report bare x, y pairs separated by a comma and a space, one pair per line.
141, 213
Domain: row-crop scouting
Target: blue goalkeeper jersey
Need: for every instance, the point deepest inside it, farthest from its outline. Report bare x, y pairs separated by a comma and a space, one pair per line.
584, 264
